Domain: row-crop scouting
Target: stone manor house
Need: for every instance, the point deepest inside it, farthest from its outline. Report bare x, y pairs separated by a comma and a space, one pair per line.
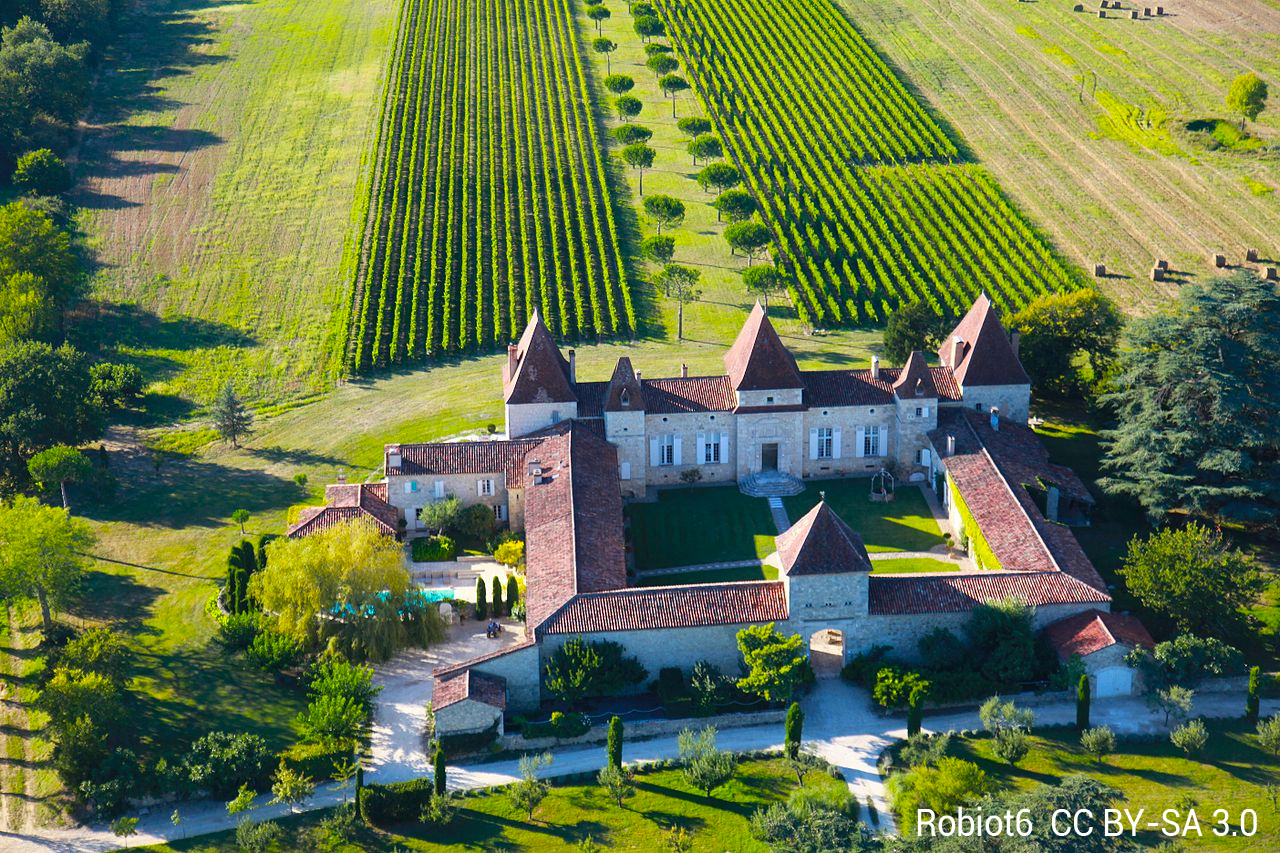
574, 451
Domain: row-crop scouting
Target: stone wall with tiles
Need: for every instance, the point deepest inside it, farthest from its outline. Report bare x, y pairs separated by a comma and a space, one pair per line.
464, 487
688, 427
655, 649
848, 420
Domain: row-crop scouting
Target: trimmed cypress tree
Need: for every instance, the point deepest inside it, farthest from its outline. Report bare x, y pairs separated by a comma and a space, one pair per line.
915, 712
438, 772
496, 601
614, 747
482, 609
1255, 695
513, 593
794, 729
1082, 703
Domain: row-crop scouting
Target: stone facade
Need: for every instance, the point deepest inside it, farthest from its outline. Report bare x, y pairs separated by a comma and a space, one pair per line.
678, 647
525, 418
1013, 401
467, 717
411, 494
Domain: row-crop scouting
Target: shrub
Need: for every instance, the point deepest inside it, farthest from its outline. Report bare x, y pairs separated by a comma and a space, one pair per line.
400, 802
1010, 745
220, 762
894, 686
560, 725
434, 549
922, 750
951, 783
272, 650
1099, 742
42, 172
1269, 734
510, 553
942, 650
863, 667
1190, 737
332, 718
333, 675
238, 631
579, 669
318, 760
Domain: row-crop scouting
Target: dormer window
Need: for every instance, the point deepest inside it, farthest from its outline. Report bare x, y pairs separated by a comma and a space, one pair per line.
626, 397
919, 387
768, 401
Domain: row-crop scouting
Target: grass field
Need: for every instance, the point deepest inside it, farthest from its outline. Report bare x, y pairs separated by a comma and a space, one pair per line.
572, 813
219, 171
1154, 775
911, 566
690, 527
1079, 119
904, 524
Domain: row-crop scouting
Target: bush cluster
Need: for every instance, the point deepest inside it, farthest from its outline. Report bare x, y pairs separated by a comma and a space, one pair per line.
400, 802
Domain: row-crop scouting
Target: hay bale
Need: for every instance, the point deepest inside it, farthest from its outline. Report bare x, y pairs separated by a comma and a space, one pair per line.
1251, 255
1157, 274
1101, 14
1133, 15
1099, 270
1079, 7
1220, 261
1159, 11
1271, 274
1147, 11
1162, 264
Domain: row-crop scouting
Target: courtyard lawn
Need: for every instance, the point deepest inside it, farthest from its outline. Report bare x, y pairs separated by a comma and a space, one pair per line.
741, 573
905, 524
1154, 775
912, 565
691, 527
571, 814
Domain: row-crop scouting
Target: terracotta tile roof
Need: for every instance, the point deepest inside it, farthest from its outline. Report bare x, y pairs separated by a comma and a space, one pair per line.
447, 669
891, 595
468, 684
591, 396
758, 361
985, 355
345, 501
1095, 630
461, 457
573, 520
915, 380
536, 372
689, 394
820, 543
847, 388
656, 607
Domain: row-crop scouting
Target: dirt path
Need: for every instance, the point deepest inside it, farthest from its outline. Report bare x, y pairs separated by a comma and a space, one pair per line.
18, 759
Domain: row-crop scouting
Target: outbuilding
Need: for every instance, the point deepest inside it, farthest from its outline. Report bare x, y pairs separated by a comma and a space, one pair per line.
1102, 640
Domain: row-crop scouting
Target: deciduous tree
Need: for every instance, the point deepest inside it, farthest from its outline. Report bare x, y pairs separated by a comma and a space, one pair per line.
1247, 96
60, 464
1068, 339
912, 326
705, 767
42, 554
775, 664
42, 172
734, 205
45, 401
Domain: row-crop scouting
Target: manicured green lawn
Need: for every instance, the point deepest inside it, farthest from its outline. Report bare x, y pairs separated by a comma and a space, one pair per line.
570, 814
1154, 775
689, 527
746, 573
912, 565
905, 524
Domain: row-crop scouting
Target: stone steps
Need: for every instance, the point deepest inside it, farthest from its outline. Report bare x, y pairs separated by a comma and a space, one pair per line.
770, 484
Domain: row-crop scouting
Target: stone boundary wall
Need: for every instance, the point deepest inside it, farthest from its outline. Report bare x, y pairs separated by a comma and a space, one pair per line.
645, 729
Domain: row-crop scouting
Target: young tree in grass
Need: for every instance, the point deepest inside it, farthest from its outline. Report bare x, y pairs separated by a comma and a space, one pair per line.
598, 13
630, 134
230, 417
705, 767
513, 594
664, 211
527, 794
659, 248
694, 126
607, 47
718, 177
1010, 745
240, 517
1174, 701
671, 86
614, 746
705, 147
46, 399
482, 599
749, 238
1269, 734
60, 464
124, 828
495, 597
1253, 701
290, 787
734, 205
1247, 96
802, 764
648, 26
679, 282
439, 773
639, 157
42, 554
628, 107
1098, 742
1190, 737
617, 783
661, 63
1082, 703
619, 84
762, 280
1192, 577
794, 729
775, 664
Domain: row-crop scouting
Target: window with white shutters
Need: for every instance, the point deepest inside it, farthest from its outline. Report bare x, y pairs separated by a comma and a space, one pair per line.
711, 449
826, 443
666, 450
871, 441
484, 487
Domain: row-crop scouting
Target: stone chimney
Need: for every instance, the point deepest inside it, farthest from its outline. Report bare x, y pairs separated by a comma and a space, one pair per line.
512, 352
684, 371
1015, 341
342, 477
957, 352
637, 376
875, 367
951, 445
573, 367
995, 418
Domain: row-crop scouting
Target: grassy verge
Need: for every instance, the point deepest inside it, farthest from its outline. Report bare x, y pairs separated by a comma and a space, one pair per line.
689, 527
573, 813
903, 524
912, 565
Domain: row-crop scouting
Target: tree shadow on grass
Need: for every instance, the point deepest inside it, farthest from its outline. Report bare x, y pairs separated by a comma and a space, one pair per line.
294, 456
671, 820
118, 598
744, 809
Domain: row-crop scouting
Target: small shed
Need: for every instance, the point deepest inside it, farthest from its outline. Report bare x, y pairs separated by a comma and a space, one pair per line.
1102, 640
468, 702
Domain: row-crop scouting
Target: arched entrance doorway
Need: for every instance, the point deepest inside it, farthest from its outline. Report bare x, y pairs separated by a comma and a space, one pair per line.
826, 652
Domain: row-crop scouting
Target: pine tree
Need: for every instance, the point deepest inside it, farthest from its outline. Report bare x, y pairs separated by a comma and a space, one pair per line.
230, 418
614, 748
